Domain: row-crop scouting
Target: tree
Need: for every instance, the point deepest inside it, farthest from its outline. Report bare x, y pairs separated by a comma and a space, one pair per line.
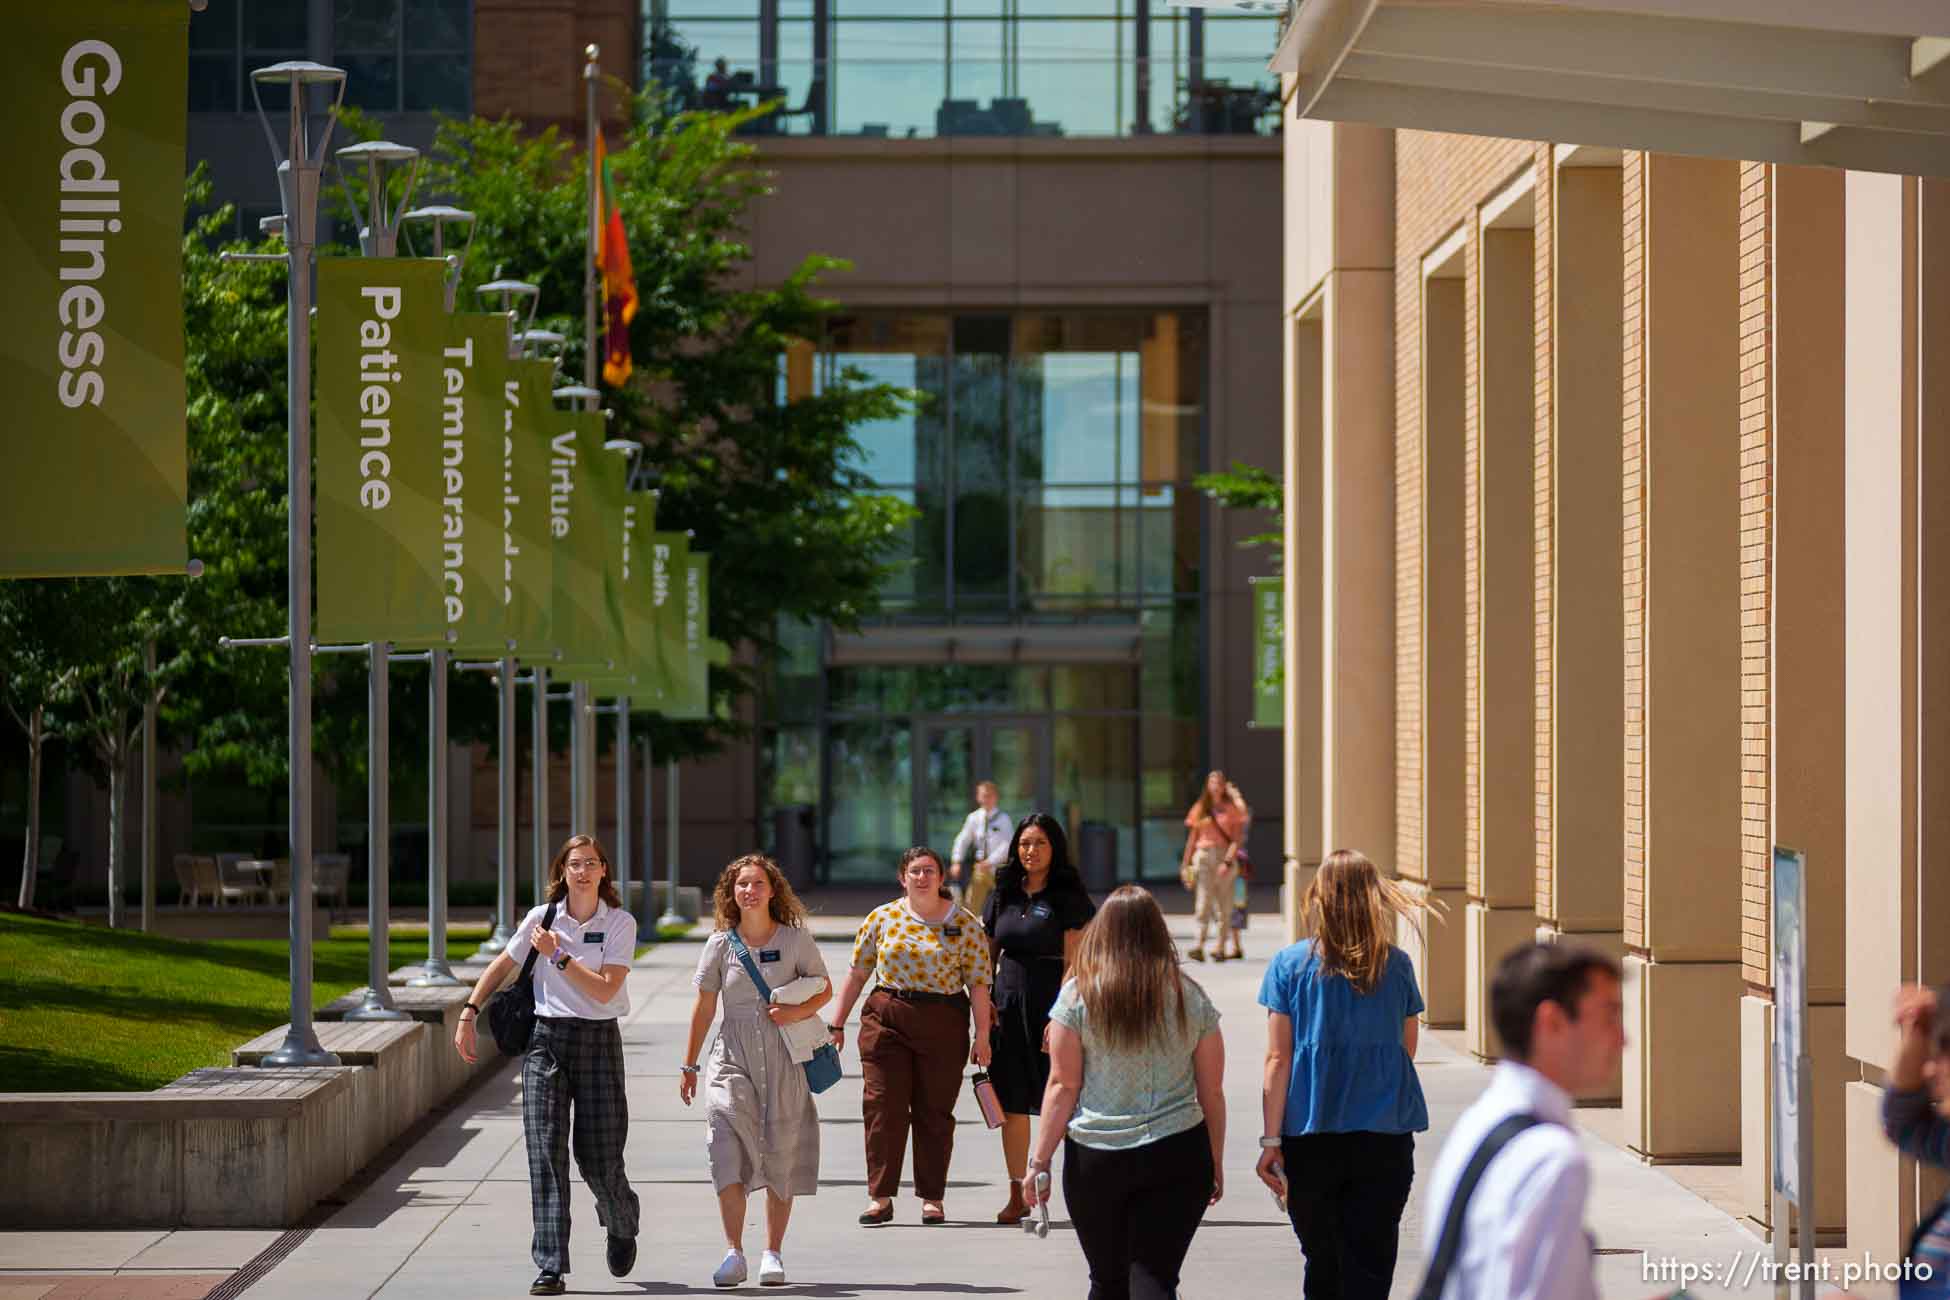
770, 487
38, 636
1248, 487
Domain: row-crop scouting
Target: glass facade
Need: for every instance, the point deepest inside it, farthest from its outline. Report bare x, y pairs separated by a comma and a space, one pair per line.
398, 55
908, 68
1049, 455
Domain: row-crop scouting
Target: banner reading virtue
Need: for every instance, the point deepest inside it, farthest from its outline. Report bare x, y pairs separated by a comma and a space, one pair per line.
605, 480
381, 330
527, 568
473, 372
579, 627
1269, 651
91, 344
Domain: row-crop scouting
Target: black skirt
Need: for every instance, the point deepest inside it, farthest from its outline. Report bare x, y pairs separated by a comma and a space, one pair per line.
1018, 1065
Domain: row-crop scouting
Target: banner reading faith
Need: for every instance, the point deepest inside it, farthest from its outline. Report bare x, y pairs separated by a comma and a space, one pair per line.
669, 553
1269, 651
473, 370
579, 626
527, 572
91, 345
381, 329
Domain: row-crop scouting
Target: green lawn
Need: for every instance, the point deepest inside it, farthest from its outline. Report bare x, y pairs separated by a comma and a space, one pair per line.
83, 1007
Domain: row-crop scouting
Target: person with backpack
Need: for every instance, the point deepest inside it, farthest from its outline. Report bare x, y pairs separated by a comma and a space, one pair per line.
572, 1071
1506, 1202
1341, 1098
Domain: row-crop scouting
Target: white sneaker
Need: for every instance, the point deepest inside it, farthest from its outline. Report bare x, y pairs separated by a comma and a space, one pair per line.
771, 1269
732, 1271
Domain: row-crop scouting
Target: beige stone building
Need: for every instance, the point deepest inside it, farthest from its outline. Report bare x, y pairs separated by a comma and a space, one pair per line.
1612, 529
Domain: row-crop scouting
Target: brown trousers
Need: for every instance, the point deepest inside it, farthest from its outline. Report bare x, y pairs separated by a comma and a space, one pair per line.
911, 1054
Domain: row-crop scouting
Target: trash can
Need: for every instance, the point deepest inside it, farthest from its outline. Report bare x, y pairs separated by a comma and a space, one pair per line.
1097, 857
792, 843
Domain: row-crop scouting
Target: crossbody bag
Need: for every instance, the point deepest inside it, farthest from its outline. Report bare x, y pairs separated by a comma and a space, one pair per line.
511, 1012
823, 1071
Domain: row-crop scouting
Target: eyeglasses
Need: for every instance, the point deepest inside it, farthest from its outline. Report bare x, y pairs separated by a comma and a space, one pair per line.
583, 864
923, 869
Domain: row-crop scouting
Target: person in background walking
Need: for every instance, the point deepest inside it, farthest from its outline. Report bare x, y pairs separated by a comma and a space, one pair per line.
1505, 1214
1035, 921
932, 965
763, 1130
1216, 830
572, 1076
987, 831
1136, 1095
1341, 1098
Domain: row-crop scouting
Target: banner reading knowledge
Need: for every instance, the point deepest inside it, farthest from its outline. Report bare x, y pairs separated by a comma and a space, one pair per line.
527, 561
91, 345
381, 329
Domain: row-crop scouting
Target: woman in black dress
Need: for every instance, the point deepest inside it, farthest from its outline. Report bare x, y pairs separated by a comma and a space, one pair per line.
1034, 921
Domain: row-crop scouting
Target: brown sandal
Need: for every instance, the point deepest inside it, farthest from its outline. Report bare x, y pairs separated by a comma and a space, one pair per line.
933, 1218
885, 1214
1017, 1209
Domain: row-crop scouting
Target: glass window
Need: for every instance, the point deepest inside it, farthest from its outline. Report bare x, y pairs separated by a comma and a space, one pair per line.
791, 766
215, 28
1072, 75
981, 524
436, 83
275, 24
970, 688
371, 81
1078, 542
436, 25
1095, 687
870, 820
888, 78
1090, 401
366, 25
872, 689
213, 82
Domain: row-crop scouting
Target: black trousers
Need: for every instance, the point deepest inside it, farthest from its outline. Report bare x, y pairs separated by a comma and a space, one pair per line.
1135, 1211
1345, 1194
572, 1092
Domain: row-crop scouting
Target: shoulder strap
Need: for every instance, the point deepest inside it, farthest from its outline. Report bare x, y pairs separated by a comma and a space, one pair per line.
751, 967
528, 967
1448, 1246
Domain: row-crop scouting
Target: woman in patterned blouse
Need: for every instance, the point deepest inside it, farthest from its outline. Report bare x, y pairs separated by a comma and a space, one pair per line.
932, 965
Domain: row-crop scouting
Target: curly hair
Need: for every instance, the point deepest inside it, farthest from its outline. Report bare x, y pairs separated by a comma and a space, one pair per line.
558, 871
785, 906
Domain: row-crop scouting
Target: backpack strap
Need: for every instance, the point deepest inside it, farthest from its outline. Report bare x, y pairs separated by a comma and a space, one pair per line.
1448, 1246
744, 955
548, 923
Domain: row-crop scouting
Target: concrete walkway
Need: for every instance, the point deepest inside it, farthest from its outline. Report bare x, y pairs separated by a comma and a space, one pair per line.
451, 1217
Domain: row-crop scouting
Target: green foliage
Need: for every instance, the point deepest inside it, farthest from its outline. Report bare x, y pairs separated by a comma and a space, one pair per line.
1248, 487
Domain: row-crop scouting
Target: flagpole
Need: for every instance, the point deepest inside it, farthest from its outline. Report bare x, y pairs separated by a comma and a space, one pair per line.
582, 722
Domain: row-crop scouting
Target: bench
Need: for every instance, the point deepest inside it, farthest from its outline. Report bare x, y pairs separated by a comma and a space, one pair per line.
439, 1010
403, 1083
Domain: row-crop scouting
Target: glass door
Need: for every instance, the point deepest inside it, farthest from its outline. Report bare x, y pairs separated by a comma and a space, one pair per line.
956, 753
947, 783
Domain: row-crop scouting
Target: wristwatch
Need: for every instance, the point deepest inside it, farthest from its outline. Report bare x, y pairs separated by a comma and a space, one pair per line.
561, 959
689, 1069
1269, 1144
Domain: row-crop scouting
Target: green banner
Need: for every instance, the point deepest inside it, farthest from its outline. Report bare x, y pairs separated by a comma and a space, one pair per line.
527, 556
91, 235
643, 681
473, 372
381, 330
1269, 651
579, 624
692, 698
605, 480
669, 553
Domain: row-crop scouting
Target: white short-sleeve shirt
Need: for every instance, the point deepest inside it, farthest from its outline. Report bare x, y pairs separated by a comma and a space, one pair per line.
606, 939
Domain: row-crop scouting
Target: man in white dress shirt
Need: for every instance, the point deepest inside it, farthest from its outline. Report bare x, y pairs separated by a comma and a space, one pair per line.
987, 831
1559, 1012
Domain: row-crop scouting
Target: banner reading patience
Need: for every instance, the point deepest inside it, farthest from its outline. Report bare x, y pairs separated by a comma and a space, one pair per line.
381, 330
91, 343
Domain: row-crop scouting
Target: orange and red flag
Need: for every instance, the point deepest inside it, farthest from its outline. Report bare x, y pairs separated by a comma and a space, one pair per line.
619, 280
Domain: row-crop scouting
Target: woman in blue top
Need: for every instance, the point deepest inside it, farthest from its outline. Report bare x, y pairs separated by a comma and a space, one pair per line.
1341, 1098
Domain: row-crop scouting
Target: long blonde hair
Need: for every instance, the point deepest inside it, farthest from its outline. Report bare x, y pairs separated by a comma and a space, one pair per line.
1127, 970
1202, 807
1351, 909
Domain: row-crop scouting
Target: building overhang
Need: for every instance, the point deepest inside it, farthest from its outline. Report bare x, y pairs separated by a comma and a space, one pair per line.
1863, 84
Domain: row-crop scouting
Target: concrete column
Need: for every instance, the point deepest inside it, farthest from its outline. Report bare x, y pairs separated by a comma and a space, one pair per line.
1897, 533
1305, 411
1682, 655
1794, 582
1501, 912
1580, 892
1439, 877
1357, 563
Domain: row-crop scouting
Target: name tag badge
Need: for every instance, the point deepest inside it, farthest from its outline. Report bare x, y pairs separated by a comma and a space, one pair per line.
593, 938
768, 954
1039, 909
951, 931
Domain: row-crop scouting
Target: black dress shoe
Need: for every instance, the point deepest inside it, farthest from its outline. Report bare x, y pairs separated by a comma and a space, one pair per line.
622, 1255
547, 1283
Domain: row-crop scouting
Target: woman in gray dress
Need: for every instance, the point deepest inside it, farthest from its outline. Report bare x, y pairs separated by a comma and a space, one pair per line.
762, 1128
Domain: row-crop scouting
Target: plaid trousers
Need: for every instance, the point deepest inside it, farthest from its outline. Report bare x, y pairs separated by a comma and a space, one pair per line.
579, 1064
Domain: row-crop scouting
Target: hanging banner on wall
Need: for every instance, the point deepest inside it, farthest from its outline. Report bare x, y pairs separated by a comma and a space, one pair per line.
527, 560
579, 625
1269, 651
381, 330
91, 344
473, 372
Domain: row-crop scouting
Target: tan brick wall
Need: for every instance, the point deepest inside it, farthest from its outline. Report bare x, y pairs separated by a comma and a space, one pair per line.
1756, 564
1632, 204
1545, 297
1439, 181
528, 59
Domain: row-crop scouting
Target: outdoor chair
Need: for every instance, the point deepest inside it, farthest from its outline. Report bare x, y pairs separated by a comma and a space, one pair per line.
185, 882
233, 882
815, 100
330, 877
205, 885
280, 883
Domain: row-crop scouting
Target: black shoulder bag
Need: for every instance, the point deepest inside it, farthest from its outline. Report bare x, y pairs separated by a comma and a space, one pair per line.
511, 1012
1449, 1245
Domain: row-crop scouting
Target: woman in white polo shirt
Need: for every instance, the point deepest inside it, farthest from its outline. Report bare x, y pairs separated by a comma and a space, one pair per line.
576, 1052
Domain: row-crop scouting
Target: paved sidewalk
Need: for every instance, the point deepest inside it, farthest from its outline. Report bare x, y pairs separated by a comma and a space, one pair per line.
452, 1217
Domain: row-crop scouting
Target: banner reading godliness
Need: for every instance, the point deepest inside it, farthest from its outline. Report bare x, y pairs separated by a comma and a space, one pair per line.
381, 331
95, 101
